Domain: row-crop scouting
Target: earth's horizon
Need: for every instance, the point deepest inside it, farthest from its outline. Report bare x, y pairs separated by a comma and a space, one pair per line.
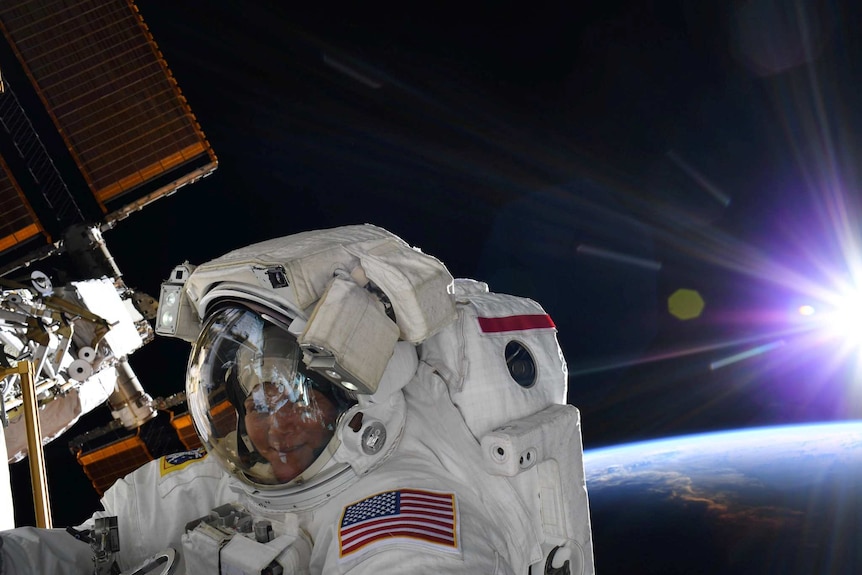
781, 499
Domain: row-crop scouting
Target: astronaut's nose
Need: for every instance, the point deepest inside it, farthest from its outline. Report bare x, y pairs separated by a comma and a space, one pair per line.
280, 438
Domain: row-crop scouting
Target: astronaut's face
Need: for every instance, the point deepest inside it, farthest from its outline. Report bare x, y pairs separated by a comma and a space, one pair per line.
287, 431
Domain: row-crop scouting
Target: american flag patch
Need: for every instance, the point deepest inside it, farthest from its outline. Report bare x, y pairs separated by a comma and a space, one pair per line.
401, 516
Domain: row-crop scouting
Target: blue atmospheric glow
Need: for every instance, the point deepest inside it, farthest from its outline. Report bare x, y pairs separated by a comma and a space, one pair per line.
727, 439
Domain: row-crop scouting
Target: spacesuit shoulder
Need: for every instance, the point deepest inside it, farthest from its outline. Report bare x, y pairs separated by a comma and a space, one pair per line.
164, 475
500, 359
154, 502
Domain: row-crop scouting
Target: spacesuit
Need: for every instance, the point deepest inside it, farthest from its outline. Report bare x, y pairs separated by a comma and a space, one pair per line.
362, 412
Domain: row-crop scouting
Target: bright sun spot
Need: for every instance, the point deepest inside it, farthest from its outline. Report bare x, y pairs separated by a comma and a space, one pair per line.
846, 318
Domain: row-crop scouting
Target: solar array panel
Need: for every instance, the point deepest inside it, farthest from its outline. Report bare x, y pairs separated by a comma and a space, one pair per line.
186, 431
223, 416
107, 88
105, 465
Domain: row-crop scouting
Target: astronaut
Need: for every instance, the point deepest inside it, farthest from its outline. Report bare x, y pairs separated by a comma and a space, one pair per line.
362, 412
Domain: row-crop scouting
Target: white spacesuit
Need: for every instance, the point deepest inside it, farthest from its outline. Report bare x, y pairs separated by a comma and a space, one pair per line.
362, 412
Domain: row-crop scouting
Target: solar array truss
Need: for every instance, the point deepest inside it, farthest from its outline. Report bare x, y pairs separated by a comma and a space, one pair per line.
18, 222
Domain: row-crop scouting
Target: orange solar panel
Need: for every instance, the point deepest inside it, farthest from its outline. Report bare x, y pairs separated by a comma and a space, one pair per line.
108, 90
223, 416
107, 464
18, 223
186, 431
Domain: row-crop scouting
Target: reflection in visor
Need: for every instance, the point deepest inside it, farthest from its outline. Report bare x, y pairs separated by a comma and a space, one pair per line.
285, 418
288, 434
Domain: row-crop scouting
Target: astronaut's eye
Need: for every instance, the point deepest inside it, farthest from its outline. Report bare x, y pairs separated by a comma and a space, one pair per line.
254, 406
522, 366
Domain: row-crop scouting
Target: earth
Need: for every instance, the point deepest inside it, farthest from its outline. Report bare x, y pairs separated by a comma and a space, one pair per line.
781, 500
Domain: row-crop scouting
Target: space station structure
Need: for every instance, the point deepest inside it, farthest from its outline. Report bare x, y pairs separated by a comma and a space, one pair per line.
93, 128
78, 337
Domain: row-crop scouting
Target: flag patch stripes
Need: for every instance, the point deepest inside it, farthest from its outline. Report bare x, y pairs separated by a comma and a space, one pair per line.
400, 516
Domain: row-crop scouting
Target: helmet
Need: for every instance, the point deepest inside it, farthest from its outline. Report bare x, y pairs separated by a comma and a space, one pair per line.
301, 346
255, 406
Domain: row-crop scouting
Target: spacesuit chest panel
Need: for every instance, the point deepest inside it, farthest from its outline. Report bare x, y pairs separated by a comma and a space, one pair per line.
500, 359
408, 517
484, 525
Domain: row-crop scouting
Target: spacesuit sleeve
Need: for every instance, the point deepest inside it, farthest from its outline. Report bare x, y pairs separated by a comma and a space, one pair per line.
28, 550
154, 503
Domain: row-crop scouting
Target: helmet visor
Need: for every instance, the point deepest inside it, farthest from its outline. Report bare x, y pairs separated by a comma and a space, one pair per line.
253, 404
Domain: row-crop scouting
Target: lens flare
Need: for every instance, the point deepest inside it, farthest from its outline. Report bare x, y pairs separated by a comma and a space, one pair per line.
843, 319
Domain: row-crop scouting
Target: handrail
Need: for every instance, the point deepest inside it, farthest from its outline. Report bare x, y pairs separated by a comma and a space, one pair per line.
35, 451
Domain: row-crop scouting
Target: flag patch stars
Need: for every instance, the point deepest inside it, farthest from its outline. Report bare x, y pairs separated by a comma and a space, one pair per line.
411, 516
